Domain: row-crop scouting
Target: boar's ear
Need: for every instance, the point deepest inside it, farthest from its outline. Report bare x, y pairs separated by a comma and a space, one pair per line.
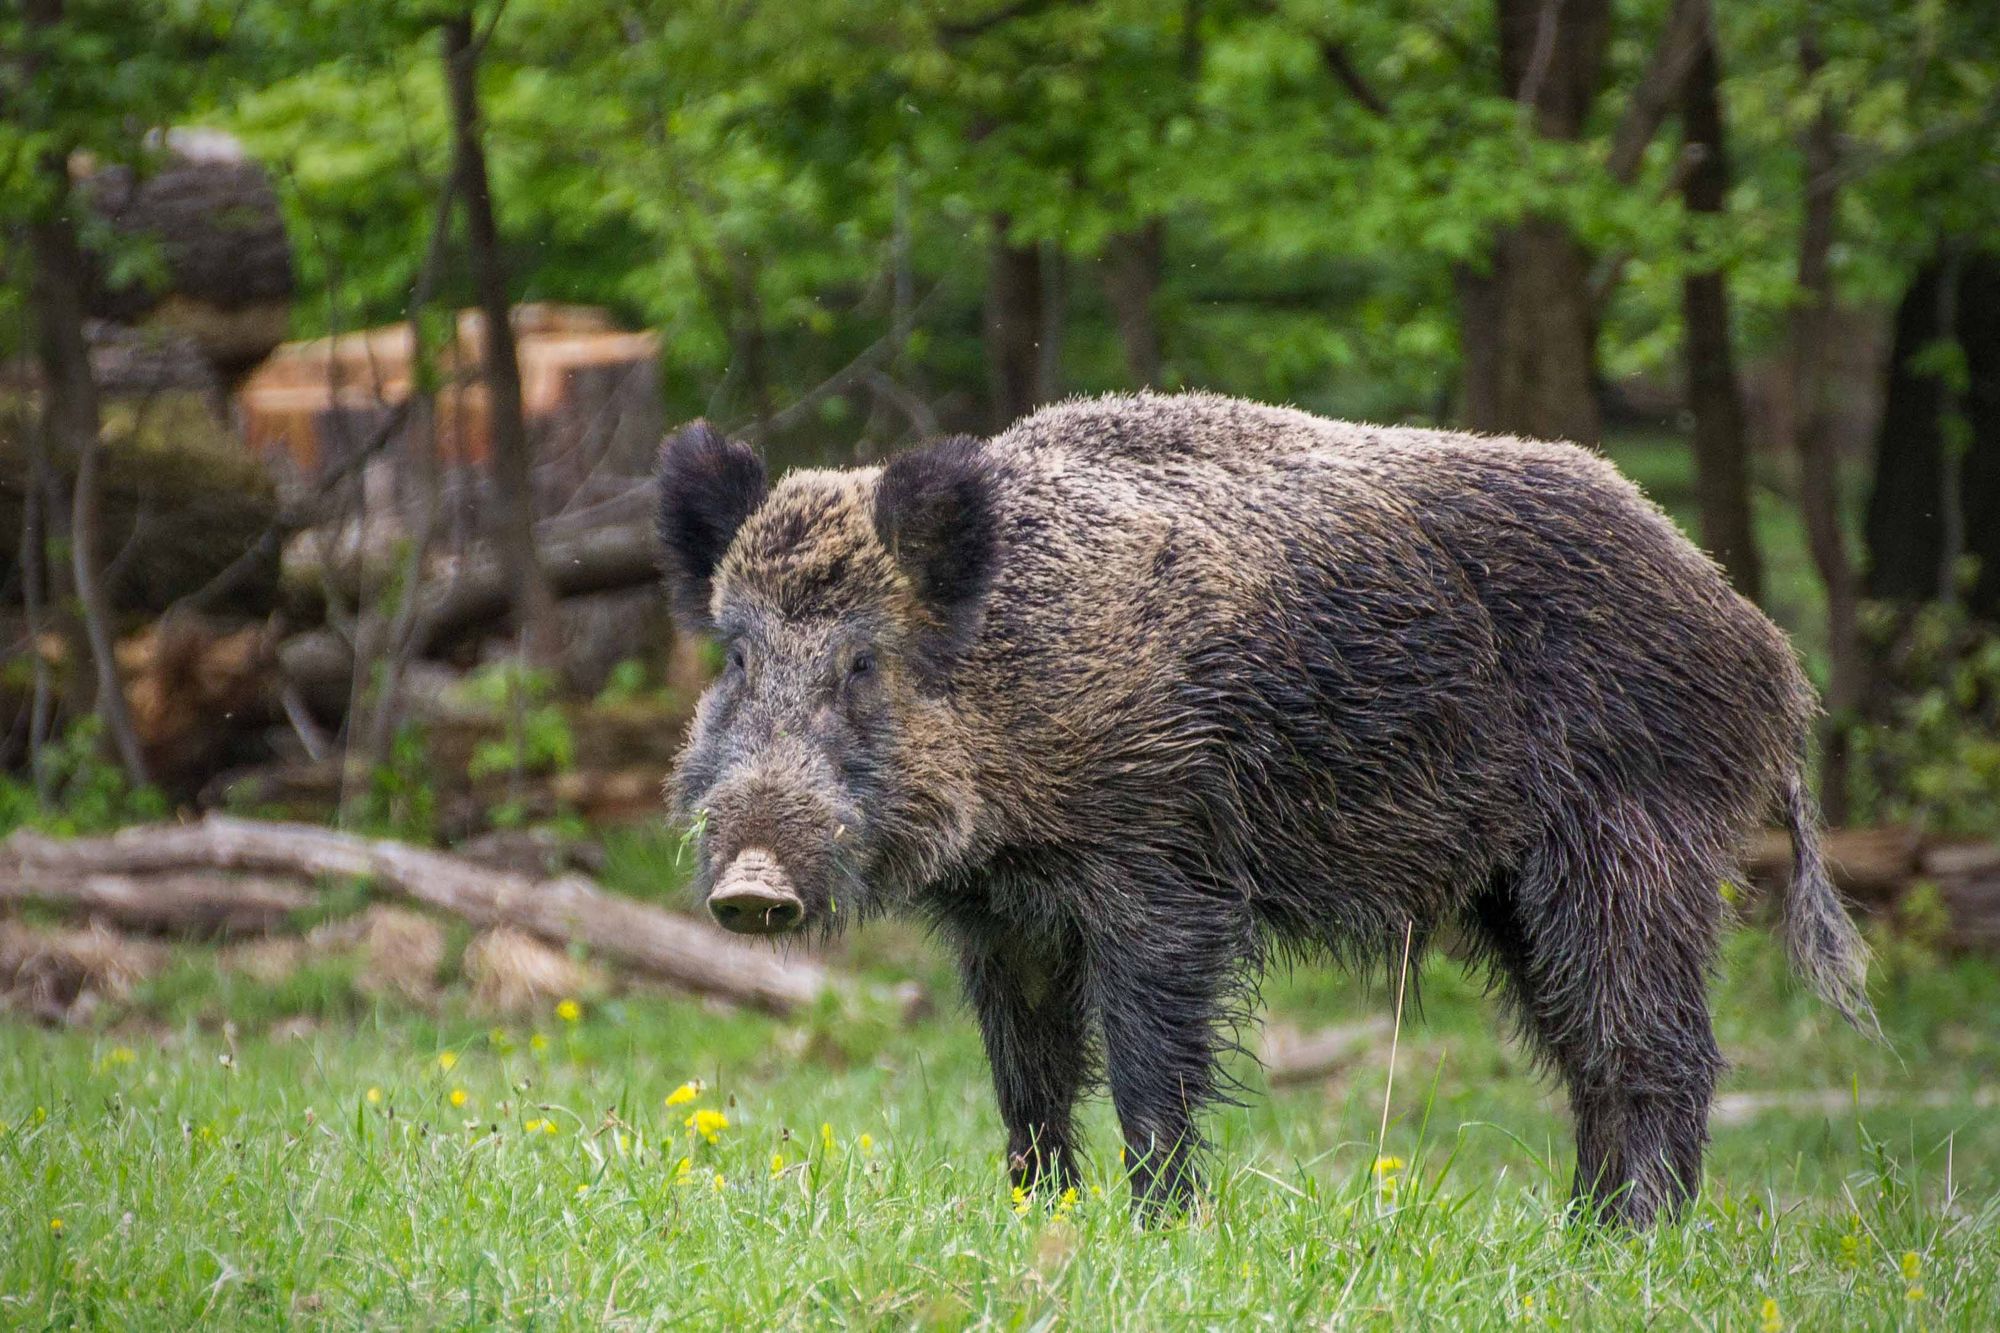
708, 486
934, 511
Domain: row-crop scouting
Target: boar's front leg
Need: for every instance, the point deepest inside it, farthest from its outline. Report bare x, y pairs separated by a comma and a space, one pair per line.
1033, 1016
1164, 994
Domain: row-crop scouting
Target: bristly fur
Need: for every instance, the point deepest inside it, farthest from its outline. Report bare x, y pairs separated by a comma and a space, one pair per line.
708, 486
934, 514
1157, 688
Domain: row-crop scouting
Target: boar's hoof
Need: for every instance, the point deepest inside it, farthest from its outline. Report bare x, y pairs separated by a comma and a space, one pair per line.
754, 897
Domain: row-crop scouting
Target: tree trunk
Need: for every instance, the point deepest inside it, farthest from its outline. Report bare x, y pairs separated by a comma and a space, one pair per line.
70, 424
1916, 505
1132, 264
1013, 327
1547, 336
1905, 526
513, 462
1818, 458
1534, 352
1715, 396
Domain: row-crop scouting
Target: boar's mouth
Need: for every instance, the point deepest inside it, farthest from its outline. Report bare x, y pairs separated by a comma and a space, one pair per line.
754, 896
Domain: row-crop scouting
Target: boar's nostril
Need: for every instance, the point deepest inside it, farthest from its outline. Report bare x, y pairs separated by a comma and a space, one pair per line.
754, 896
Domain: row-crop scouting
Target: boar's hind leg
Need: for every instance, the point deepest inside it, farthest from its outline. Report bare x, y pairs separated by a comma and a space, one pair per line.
1034, 1018
1604, 938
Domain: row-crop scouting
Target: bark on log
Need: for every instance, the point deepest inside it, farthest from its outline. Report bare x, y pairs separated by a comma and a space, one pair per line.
1876, 868
199, 903
563, 911
1290, 1059
320, 663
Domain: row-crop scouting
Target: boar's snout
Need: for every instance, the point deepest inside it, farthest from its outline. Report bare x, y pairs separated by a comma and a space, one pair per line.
754, 896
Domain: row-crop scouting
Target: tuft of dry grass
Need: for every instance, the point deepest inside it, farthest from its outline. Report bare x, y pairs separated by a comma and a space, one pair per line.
513, 973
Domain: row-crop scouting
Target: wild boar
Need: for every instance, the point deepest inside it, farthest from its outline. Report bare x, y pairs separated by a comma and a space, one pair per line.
1144, 688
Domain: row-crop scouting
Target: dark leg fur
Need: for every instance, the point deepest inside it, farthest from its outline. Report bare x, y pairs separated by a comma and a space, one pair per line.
1034, 1017
1165, 1005
1604, 939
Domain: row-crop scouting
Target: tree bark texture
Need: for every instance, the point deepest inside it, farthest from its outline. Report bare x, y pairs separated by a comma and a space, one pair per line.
513, 461
562, 911
1714, 392
1909, 559
1132, 267
1818, 458
1532, 340
70, 425
1013, 327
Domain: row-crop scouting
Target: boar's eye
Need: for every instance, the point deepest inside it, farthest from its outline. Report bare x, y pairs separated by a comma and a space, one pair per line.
862, 665
737, 659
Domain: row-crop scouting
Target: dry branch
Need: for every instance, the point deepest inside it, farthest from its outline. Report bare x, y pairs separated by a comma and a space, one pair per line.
563, 911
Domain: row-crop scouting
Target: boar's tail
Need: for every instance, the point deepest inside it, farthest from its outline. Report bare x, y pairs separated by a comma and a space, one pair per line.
1826, 950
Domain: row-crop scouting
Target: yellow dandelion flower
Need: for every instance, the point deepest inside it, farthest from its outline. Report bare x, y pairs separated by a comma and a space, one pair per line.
447, 1061
868, 1143
1913, 1266
826, 1135
1388, 1166
374, 1096
459, 1097
582, 1190
685, 1093
1066, 1202
1019, 1199
548, 1127
1915, 1292
569, 1011
538, 1043
1769, 1320
707, 1123
1097, 1191
624, 1141
719, 1182
683, 1169
777, 1165
56, 1226
533, 1126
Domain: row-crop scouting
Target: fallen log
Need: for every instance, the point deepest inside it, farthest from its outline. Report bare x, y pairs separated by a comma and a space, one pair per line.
200, 903
1738, 1108
1290, 1058
1877, 870
564, 910
319, 663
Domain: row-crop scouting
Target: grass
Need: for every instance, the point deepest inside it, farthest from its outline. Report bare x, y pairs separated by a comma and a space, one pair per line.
204, 1156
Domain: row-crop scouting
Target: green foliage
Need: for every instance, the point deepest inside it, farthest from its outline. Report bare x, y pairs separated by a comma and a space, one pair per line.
400, 798
88, 792
1932, 758
537, 737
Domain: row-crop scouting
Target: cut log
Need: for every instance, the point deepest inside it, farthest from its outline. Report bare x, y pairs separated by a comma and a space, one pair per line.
320, 663
1291, 1058
199, 903
1877, 869
563, 911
